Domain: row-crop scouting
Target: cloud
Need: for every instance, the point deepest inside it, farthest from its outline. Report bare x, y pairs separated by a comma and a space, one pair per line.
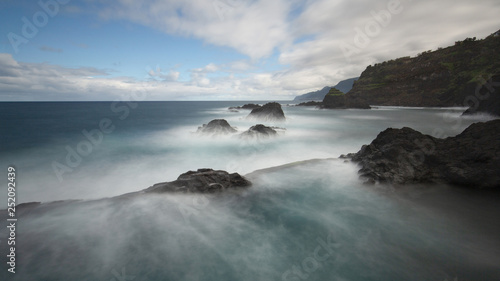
157, 74
307, 37
21, 81
50, 49
255, 28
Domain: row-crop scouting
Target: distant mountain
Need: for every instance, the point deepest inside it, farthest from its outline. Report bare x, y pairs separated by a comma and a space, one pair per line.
458, 75
343, 86
313, 96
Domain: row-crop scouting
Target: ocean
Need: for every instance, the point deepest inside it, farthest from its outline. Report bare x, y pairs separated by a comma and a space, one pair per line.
313, 220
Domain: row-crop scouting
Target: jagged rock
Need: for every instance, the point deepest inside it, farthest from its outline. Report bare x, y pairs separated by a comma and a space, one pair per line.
401, 156
202, 181
258, 131
268, 112
216, 127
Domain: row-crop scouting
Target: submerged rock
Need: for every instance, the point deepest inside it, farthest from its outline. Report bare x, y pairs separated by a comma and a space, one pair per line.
202, 181
216, 127
401, 156
268, 112
259, 131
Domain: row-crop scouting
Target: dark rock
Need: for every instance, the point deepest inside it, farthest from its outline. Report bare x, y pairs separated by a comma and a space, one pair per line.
311, 103
401, 156
245, 106
216, 127
268, 112
202, 181
335, 99
486, 98
258, 131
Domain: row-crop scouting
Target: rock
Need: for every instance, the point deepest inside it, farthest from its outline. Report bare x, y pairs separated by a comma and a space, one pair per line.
311, 103
335, 99
216, 127
259, 131
268, 112
201, 181
402, 156
487, 97
245, 106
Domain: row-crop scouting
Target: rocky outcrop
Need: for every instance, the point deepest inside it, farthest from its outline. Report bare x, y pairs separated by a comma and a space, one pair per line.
268, 112
201, 181
259, 131
402, 156
335, 99
311, 103
216, 127
486, 98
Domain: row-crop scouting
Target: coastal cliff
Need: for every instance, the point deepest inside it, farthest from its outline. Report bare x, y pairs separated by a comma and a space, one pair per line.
448, 76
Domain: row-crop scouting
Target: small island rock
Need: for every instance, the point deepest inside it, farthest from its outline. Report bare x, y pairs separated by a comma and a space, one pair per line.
268, 112
259, 131
216, 127
202, 181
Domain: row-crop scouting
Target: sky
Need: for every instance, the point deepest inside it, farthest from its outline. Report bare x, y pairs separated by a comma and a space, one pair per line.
65, 50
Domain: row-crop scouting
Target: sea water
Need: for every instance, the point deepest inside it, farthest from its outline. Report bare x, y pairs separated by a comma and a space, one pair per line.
314, 220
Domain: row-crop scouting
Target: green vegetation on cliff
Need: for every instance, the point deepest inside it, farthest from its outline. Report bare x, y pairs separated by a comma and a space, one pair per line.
335, 92
444, 77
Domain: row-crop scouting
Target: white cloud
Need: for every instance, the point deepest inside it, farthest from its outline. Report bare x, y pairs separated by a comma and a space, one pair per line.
40, 81
254, 28
306, 35
257, 28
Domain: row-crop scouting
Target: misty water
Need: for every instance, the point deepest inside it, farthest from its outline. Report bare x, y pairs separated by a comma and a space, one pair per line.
311, 220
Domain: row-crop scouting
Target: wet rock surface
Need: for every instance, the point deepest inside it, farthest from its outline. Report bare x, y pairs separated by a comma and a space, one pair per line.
269, 112
216, 127
259, 131
402, 156
201, 181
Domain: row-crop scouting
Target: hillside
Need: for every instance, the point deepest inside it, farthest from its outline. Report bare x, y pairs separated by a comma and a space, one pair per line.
343, 86
445, 77
335, 99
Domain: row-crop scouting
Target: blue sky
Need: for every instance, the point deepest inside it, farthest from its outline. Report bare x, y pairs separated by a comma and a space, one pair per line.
216, 49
